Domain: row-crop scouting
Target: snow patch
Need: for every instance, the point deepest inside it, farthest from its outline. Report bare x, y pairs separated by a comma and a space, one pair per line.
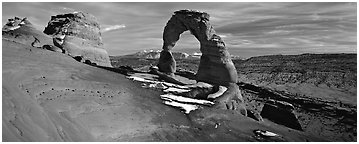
184, 103
186, 107
186, 99
197, 54
155, 86
172, 89
140, 79
221, 91
13, 28
265, 133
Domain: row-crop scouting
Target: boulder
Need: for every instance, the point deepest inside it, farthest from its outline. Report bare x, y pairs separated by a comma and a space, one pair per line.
78, 34
216, 66
282, 113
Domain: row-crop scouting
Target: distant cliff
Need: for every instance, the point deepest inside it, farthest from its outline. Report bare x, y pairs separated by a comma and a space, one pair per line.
326, 76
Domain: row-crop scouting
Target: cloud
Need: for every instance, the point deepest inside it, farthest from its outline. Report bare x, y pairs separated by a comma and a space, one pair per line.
112, 28
222, 36
261, 28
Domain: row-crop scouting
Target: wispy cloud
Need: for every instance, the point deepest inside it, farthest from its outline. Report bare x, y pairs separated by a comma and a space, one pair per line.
112, 28
261, 28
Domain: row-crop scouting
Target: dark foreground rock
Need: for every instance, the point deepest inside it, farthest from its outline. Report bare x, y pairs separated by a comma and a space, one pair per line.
326, 119
281, 113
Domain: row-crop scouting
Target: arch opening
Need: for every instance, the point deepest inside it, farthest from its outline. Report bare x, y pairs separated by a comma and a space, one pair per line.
215, 66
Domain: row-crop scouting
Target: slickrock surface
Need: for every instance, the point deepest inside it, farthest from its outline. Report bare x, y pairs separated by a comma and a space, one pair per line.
49, 96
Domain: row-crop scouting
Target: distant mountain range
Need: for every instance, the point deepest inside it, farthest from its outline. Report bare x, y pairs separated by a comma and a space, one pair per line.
155, 54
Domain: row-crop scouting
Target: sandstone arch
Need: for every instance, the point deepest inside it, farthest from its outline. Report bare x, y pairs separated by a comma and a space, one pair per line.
215, 66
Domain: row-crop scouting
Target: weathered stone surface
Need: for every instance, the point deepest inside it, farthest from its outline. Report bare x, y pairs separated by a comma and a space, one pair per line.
281, 113
232, 99
15, 23
78, 34
52, 48
167, 63
254, 115
22, 31
216, 66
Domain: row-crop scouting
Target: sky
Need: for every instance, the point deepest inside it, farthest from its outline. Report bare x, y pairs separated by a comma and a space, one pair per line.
248, 29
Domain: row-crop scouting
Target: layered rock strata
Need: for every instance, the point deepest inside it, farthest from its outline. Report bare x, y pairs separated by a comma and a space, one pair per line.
216, 66
22, 31
78, 34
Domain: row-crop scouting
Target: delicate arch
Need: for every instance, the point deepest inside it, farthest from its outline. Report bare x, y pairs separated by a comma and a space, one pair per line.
216, 65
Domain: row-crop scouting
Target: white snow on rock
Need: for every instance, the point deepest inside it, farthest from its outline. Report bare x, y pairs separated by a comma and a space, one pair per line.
265, 133
174, 85
140, 79
221, 90
184, 103
186, 107
173, 89
12, 28
154, 86
186, 99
